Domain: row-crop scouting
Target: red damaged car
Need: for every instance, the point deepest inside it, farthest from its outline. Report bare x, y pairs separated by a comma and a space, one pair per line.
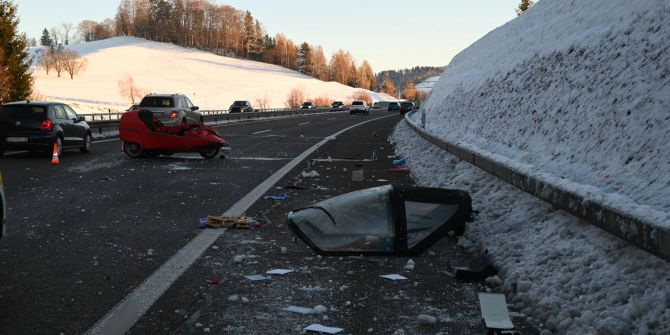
143, 134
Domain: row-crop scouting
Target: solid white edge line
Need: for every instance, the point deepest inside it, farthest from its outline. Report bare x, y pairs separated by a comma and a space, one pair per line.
126, 313
262, 131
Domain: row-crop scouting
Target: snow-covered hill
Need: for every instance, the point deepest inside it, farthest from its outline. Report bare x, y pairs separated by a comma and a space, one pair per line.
578, 93
577, 90
210, 81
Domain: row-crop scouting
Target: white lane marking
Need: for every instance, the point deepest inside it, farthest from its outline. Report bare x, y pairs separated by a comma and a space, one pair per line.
258, 158
304, 123
126, 313
332, 118
109, 140
262, 131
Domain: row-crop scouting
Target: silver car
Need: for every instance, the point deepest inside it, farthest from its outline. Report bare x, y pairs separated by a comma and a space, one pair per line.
171, 109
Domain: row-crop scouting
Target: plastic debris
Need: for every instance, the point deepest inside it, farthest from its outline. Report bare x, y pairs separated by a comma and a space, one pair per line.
315, 327
399, 170
319, 309
400, 162
280, 272
256, 277
230, 221
310, 174
427, 319
296, 309
410, 265
280, 196
215, 281
394, 276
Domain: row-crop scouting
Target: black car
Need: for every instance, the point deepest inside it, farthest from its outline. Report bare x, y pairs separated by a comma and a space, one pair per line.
406, 107
338, 106
307, 105
240, 106
394, 106
36, 125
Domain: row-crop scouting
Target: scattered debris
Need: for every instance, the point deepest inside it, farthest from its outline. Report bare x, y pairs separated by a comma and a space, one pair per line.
474, 268
494, 311
280, 196
230, 221
493, 281
296, 309
394, 276
282, 250
256, 277
295, 187
315, 327
233, 297
215, 281
399, 170
240, 258
427, 319
410, 265
319, 309
357, 173
310, 174
400, 162
280, 272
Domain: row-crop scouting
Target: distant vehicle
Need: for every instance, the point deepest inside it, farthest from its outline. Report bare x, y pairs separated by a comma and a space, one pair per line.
240, 106
307, 105
171, 109
338, 106
36, 125
359, 107
393, 106
376, 105
3, 211
406, 106
132, 107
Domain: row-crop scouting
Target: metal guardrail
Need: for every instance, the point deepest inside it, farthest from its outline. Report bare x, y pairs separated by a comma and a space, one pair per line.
104, 122
645, 235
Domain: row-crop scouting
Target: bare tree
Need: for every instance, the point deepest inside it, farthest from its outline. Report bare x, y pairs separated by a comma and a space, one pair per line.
58, 63
67, 27
87, 30
262, 102
54, 35
295, 98
362, 95
523, 6
47, 59
129, 89
73, 63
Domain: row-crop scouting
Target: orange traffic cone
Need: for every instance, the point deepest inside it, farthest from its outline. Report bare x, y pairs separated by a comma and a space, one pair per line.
54, 157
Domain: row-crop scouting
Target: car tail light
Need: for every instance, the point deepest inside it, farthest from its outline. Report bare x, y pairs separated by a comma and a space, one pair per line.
46, 125
173, 114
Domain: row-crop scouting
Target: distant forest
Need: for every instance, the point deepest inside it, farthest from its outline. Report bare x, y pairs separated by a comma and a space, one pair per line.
401, 78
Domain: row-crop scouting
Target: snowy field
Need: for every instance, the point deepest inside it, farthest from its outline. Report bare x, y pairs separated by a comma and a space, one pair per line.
210, 81
575, 93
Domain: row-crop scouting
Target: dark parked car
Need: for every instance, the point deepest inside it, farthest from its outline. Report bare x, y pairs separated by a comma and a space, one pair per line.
394, 106
338, 106
171, 109
307, 105
240, 106
406, 107
36, 125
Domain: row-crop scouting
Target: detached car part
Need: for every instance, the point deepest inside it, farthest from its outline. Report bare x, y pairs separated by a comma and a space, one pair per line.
384, 220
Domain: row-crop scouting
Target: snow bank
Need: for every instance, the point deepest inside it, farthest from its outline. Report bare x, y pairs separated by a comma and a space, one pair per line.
210, 81
575, 90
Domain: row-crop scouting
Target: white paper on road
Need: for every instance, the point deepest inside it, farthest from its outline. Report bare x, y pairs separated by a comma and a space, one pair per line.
394, 276
279, 271
494, 311
315, 327
256, 277
296, 309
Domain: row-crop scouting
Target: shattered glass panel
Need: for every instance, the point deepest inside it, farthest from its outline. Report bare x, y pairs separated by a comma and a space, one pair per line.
356, 221
424, 218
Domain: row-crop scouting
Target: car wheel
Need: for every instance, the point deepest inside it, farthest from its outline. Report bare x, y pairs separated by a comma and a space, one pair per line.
133, 150
2, 152
87, 144
209, 153
202, 120
183, 121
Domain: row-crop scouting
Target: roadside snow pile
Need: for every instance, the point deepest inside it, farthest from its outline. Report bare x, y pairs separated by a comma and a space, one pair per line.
575, 91
567, 276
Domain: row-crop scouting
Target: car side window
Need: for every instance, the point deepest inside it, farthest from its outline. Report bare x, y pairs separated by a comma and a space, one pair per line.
70, 112
188, 102
59, 112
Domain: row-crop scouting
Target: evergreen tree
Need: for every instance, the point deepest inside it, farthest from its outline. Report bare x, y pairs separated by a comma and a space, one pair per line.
45, 40
523, 6
14, 46
304, 60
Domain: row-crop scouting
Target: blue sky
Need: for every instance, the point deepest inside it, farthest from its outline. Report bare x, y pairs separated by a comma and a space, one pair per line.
391, 34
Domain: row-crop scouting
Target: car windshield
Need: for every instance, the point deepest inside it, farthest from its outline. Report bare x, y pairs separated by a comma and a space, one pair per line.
406, 104
157, 102
357, 103
238, 103
23, 112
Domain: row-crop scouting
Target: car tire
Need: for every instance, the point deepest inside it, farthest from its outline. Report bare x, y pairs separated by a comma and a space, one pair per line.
133, 150
2, 152
202, 120
210, 153
183, 121
87, 144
